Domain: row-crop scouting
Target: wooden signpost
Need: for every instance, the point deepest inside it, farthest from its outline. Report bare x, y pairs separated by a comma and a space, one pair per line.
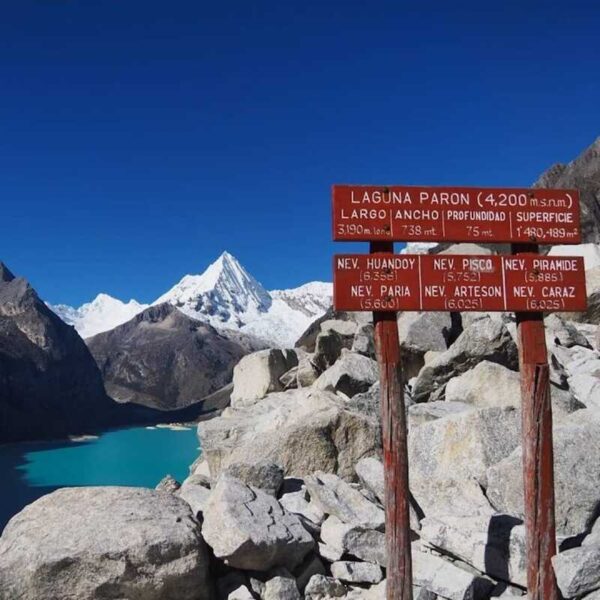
524, 282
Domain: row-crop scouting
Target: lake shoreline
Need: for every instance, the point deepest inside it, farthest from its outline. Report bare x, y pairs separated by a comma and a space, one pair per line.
128, 456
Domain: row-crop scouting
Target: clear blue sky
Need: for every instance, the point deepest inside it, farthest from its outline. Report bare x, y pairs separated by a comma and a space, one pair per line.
140, 138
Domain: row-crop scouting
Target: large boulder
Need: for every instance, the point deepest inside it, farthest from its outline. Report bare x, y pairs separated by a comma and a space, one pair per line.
485, 339
321, 587
329, 345
258, 373
582, 372
281, 588
195, 492
351, 374
371, 475
493, 544
464, 445
303, 430
306, 372
104, 542
369, 402
356, 572
592, 312
441, 496
308, 339
578, 570
361, 542
364, 340
262, 474
577, 477
248, 529
425, 412
447, 579
422, 332
298, 502
488, 384
586, 389
336, 497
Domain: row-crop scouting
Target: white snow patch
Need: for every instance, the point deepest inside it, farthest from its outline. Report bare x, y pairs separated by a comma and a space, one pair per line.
418, 247
101, 314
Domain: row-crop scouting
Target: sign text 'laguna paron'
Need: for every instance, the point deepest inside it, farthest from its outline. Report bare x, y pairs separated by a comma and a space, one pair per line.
395, 282
455, 214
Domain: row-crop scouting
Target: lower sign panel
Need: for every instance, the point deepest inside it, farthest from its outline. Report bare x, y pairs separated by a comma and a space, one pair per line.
396, 282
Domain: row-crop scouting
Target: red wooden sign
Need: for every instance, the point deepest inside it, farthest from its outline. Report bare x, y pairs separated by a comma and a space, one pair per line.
455, 214
396, 282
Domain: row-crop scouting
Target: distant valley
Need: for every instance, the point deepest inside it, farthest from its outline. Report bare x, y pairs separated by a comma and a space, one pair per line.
138, 361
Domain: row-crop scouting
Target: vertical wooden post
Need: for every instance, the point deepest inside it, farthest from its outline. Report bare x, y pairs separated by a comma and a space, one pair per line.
395, 450
538, 458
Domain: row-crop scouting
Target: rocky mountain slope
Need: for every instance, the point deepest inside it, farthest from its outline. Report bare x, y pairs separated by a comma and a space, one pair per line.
164, 359
583, 174
49, 382
226, 296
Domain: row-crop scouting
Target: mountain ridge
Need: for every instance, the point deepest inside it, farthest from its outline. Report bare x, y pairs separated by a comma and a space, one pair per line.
166, 360
225, 296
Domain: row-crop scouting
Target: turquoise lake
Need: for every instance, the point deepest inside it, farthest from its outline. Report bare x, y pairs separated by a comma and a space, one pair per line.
137, 456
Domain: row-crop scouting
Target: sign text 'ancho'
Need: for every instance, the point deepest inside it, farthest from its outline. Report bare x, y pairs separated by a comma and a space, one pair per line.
455, 214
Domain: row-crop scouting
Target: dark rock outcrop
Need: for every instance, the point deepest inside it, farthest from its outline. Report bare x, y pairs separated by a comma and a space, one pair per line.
166, 360
582, 174
49, 383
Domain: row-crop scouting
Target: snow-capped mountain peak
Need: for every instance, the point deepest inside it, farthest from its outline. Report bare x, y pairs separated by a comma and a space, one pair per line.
101, 314
225, 294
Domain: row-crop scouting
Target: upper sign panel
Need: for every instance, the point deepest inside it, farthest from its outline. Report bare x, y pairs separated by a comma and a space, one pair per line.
455, 214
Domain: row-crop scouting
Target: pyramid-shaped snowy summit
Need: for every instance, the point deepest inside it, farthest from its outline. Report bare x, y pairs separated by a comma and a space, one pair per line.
225, 293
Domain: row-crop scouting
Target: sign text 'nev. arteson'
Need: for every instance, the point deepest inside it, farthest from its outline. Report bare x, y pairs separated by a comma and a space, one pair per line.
395, 282
455, 214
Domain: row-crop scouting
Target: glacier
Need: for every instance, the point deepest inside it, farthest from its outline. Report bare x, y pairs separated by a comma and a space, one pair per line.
226, 296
